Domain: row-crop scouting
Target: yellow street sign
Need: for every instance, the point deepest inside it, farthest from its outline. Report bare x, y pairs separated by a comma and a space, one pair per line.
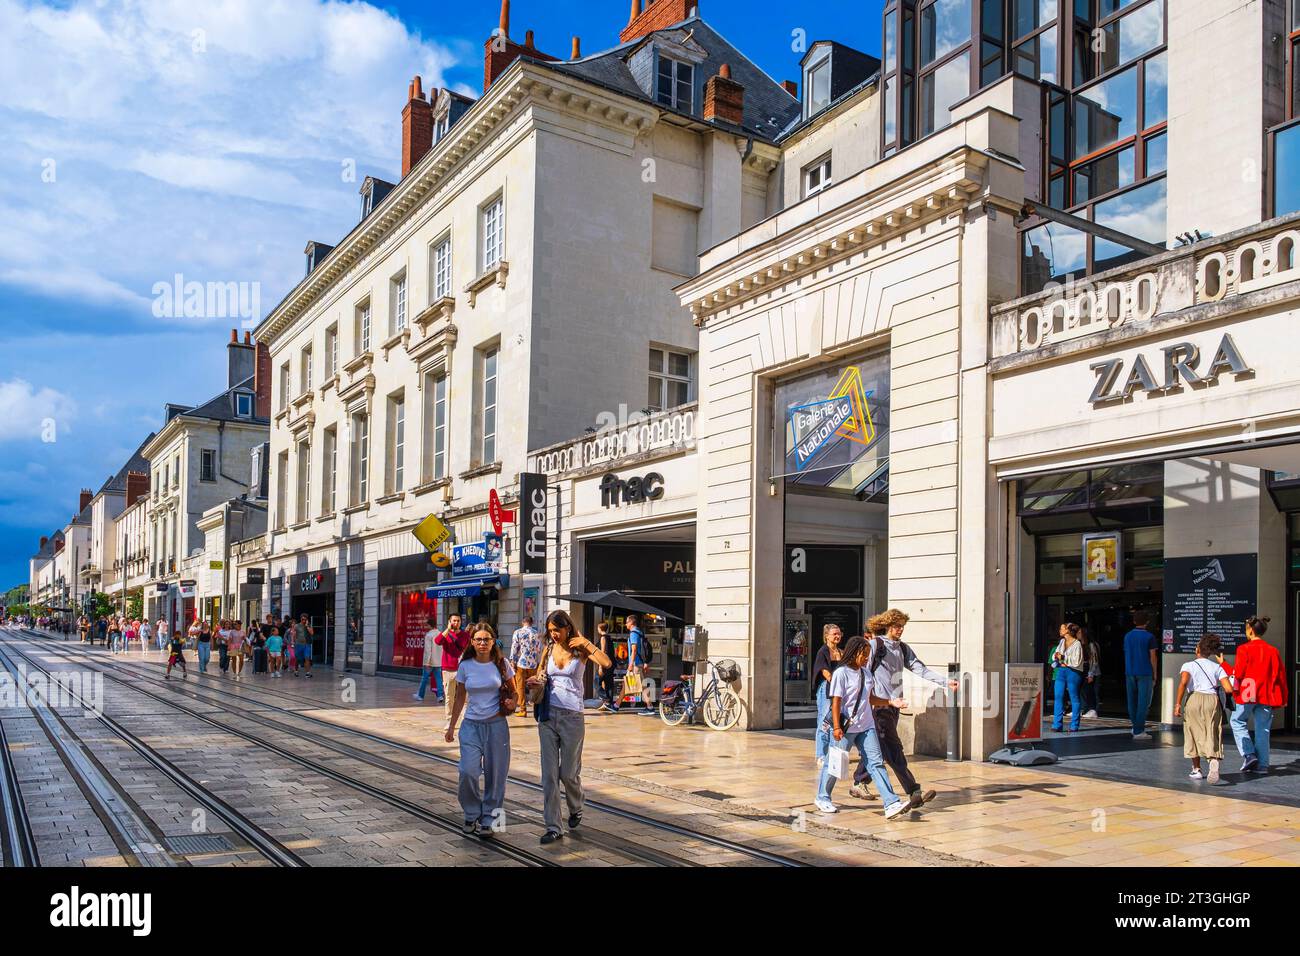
431, 533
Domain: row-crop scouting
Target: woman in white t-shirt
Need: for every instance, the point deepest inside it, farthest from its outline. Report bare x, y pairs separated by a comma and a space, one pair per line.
1201, 713
485, 735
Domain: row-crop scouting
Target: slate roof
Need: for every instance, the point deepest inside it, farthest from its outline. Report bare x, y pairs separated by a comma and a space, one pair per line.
220, 408
768, 108
137, 462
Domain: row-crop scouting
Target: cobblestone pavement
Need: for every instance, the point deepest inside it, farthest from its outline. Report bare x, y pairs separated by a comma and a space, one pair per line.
714, 789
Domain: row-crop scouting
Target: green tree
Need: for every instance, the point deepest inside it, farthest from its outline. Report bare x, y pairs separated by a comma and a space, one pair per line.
135, 605
101, 605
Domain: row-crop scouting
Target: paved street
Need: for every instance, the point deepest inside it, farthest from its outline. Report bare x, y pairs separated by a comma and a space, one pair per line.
349, 770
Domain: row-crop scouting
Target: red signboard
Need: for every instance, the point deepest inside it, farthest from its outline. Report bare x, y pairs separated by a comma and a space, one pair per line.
496, 513
409, 627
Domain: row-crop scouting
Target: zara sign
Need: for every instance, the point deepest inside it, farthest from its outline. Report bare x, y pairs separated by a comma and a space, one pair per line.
1180, 364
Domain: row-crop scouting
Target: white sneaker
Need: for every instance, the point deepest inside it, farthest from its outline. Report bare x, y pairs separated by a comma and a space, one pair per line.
1196, 775
1091, 715
1141, 736
821, 762
895, 809
1214, 770
825, 806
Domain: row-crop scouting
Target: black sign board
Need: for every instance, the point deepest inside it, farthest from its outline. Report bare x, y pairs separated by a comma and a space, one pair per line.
1208, 595
823, 570
312, 582
532, 523
256, 576
660, 567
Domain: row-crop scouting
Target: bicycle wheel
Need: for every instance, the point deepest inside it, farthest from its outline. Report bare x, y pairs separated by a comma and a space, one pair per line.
673, 711
722, 709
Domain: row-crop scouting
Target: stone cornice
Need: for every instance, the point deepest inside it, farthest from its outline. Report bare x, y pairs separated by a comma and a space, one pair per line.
863, 222
523, 83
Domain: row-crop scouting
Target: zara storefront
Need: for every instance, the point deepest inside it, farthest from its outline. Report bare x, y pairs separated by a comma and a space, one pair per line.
1146, 441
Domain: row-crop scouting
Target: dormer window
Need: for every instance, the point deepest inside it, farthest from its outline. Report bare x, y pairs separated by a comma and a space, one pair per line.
676, 84
243, 405
817, 86
441, 125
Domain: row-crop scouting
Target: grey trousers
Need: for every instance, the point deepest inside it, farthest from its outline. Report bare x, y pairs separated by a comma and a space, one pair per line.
484, 752
561, 740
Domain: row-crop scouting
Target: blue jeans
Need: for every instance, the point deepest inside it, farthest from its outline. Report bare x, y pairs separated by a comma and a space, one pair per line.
484, 753
868, 745
436, 673
823, 739
205, 654
1067, 680
1139, 701
1240, 724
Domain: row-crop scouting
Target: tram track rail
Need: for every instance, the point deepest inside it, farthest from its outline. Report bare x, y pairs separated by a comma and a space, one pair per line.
247, 830
631, 816
18, 843
447, 824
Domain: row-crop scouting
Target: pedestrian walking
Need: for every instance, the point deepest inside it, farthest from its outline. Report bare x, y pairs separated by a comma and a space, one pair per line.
453, 642
432, 661
1070, 668
236, 646
146, 636
825, 665
222, 639
638, 660
164, 634
1092, 675
1201, 680
303, 634
257, 641
114, 635
274, 649
83, 628
1260, 686
557, 695
605, 641
1139, 672
525, 654
851, 724
176, 655
485, 691
203, 639
890, 656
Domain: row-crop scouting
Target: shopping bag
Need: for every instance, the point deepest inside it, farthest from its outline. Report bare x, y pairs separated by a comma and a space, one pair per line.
631, 685
837, 762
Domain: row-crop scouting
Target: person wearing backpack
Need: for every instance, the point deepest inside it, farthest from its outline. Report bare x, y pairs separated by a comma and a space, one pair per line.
639, 655
1202, 710
890, 656
852, 724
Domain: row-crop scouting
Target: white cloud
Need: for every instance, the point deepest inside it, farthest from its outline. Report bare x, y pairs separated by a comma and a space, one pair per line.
27, 411
205, 139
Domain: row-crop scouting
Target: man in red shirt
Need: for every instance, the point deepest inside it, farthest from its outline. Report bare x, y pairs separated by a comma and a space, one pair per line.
453, 642
1260, 686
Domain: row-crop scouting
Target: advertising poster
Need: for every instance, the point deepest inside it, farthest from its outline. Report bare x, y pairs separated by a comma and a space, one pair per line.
1103, 561
1024, 711
530, 603
412, 621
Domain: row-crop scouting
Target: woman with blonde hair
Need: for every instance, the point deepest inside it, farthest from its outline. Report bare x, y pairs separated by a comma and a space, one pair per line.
827, 663
557, 695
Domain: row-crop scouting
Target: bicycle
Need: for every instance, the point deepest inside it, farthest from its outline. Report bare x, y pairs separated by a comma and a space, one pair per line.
720, 705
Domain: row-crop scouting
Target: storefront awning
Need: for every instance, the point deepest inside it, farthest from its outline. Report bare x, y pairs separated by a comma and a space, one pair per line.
468, 586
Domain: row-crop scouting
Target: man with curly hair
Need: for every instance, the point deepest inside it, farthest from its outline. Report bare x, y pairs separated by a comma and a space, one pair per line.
889, 658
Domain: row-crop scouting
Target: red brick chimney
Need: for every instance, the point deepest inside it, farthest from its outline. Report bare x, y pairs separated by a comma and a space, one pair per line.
262, 381
791, 87
137, 486
724, 98
44, 541
656, 16
499, 51
86, 495
417, 126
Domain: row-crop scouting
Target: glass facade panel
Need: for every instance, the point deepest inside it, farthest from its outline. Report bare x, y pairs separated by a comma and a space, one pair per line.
945, 25
1110, 172
1157, 155
1036, 57
1155, 108
1106, 113
1286, 171
1028, 15
947, 85
1140, 213
1050, 253
1133, 34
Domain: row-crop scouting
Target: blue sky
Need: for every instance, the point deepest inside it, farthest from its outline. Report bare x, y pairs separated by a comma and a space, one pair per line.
146, 140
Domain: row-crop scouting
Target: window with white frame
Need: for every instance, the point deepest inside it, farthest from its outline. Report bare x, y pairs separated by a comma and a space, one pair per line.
176, 472
441, 125
488, 448
282, 490
304, 480
305, 371
397, 298
332, 351
676, 84
243, 405
817, 86
670, 378
817, 176
284, 386
329, 467
434, 457
493, 231
440, 270
395, 465
361, 328
360, 458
